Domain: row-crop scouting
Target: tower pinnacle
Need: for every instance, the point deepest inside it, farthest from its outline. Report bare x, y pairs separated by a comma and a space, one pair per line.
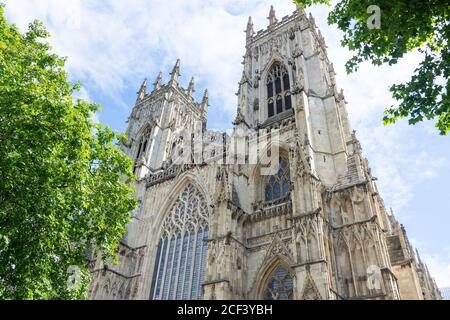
249, 31
157, 83
191, 89
175, 74
142, 90
272, 18
205, 101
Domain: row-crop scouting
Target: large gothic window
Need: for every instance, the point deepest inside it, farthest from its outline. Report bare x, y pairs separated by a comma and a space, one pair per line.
278, 186
278, 90
181, 253
280, 286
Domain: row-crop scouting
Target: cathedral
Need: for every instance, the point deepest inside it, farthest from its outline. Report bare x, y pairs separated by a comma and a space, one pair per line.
283, 207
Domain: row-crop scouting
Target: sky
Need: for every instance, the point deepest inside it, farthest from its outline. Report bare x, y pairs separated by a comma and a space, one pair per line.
112, 45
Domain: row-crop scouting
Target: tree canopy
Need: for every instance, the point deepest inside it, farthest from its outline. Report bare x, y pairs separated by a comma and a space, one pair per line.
65, 187
406, 25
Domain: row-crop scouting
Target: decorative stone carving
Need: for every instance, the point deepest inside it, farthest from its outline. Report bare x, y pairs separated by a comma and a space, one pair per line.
239, 117
300, 161
297, 52
310, 291
223, 192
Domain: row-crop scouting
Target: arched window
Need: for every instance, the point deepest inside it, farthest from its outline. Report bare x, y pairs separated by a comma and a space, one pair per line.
142, 147
278, 186
278, 90
181, 254
280, 286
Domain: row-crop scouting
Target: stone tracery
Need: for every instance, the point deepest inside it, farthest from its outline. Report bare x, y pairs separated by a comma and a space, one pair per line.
181, 254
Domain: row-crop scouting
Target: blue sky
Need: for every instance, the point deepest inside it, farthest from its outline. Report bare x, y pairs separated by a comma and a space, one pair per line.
113, 45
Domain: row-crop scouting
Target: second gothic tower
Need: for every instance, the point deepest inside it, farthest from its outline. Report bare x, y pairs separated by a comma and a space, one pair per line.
160, 120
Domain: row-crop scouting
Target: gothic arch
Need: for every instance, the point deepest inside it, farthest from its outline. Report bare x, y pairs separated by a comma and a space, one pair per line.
257, 179
372, 253
359, 266
181, 182
301, 243
313, 245
272, 61
142, 143
277, 89
267, 272
344, 268
347, 211
177, 143
180, 260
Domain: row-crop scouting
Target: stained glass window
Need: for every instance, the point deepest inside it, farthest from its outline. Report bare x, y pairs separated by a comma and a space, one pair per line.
278, 84
280, 287
278, 185
181, 254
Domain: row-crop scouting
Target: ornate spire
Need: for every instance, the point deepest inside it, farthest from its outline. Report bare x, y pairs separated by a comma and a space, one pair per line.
175, 74
157, 83
142, 90
312, 21
205, 101
272, 18
191, 89
249, 30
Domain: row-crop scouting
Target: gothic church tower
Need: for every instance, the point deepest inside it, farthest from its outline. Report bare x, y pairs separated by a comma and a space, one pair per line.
212, 228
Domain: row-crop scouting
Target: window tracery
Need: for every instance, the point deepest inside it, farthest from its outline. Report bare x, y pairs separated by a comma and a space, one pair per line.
181, 253
278, 186
281, 285
278, 90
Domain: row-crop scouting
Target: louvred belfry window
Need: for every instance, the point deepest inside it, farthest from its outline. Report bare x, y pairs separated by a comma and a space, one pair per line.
181, 253
278, 90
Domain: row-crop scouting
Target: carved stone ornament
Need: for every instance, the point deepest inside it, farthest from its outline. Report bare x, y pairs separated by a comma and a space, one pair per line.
239, 117
223, 192
310, 291
297, 51
300, 160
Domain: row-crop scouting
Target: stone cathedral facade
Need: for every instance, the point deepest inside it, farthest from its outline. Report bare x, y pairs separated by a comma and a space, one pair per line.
314, 228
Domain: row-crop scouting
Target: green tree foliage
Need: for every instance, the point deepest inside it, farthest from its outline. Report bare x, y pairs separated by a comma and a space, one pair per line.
63, 183
406, 25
